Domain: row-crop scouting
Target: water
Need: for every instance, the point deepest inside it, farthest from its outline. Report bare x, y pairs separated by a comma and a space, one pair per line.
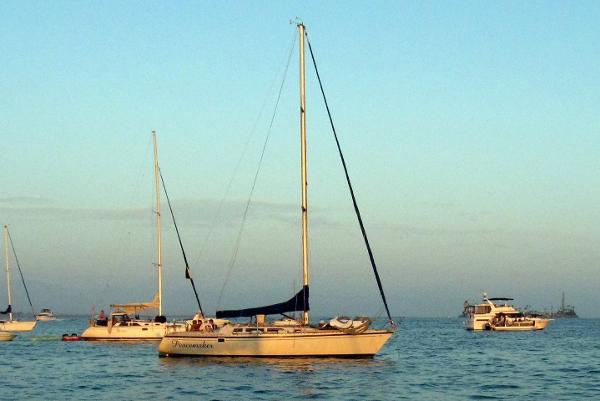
427, 359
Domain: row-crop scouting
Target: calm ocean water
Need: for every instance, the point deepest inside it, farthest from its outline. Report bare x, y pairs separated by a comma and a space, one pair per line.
427, 359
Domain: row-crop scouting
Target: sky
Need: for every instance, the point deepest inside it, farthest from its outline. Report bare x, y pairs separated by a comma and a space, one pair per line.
471, 132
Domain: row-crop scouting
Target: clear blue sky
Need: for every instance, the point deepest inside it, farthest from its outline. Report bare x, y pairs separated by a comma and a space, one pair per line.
471, 130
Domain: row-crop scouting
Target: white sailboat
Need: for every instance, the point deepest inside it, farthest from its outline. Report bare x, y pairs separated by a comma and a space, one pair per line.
287, 337
120, 325
11, 324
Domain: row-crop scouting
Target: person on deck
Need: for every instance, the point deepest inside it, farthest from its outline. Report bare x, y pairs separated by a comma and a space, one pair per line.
196, 324
102, 320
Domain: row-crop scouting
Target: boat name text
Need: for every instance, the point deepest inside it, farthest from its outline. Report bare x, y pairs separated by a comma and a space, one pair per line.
202, 345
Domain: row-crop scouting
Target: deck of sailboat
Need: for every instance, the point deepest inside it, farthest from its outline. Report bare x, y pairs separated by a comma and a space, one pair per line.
252, 331
130, 330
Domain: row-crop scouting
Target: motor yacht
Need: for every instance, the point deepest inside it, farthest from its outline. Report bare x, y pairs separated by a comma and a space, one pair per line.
45, 315
498, 315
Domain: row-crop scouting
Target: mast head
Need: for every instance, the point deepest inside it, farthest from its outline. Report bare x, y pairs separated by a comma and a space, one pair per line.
298, 21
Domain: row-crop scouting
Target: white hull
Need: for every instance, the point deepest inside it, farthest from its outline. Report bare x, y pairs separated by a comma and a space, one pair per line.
479, 322
139, 331
533, 325
17, 325
5, 336
318, 343
45, 318
538, 324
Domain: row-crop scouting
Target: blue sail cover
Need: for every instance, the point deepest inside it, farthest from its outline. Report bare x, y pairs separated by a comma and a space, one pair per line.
298, 302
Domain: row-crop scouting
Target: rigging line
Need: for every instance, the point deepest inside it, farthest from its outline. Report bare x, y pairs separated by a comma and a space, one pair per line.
188, 274
125, 237
378, 313
217, 215
357, 211
20, 272
262, 154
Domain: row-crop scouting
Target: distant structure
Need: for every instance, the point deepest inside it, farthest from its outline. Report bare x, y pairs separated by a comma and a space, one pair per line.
565, 311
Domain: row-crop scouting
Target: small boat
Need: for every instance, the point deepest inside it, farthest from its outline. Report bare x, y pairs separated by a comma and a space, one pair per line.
13, 324
7, 336
498, 315
71, 337
45, 315
338, 338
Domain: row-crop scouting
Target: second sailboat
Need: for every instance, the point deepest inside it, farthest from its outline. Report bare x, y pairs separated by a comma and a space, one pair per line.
120, 325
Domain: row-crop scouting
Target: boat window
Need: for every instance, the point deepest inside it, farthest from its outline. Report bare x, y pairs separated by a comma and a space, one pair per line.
480, 309
238, 331
272, 330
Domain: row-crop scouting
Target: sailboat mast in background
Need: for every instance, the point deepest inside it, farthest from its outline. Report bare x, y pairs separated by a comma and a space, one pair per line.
158, 231
6, 257
10, 324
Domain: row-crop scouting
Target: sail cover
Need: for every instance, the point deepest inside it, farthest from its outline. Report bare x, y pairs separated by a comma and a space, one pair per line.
298, 302
7, 311
136, 307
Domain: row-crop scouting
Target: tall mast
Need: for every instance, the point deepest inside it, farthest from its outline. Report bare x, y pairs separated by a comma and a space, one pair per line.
305, 316
6, 257
158, 231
